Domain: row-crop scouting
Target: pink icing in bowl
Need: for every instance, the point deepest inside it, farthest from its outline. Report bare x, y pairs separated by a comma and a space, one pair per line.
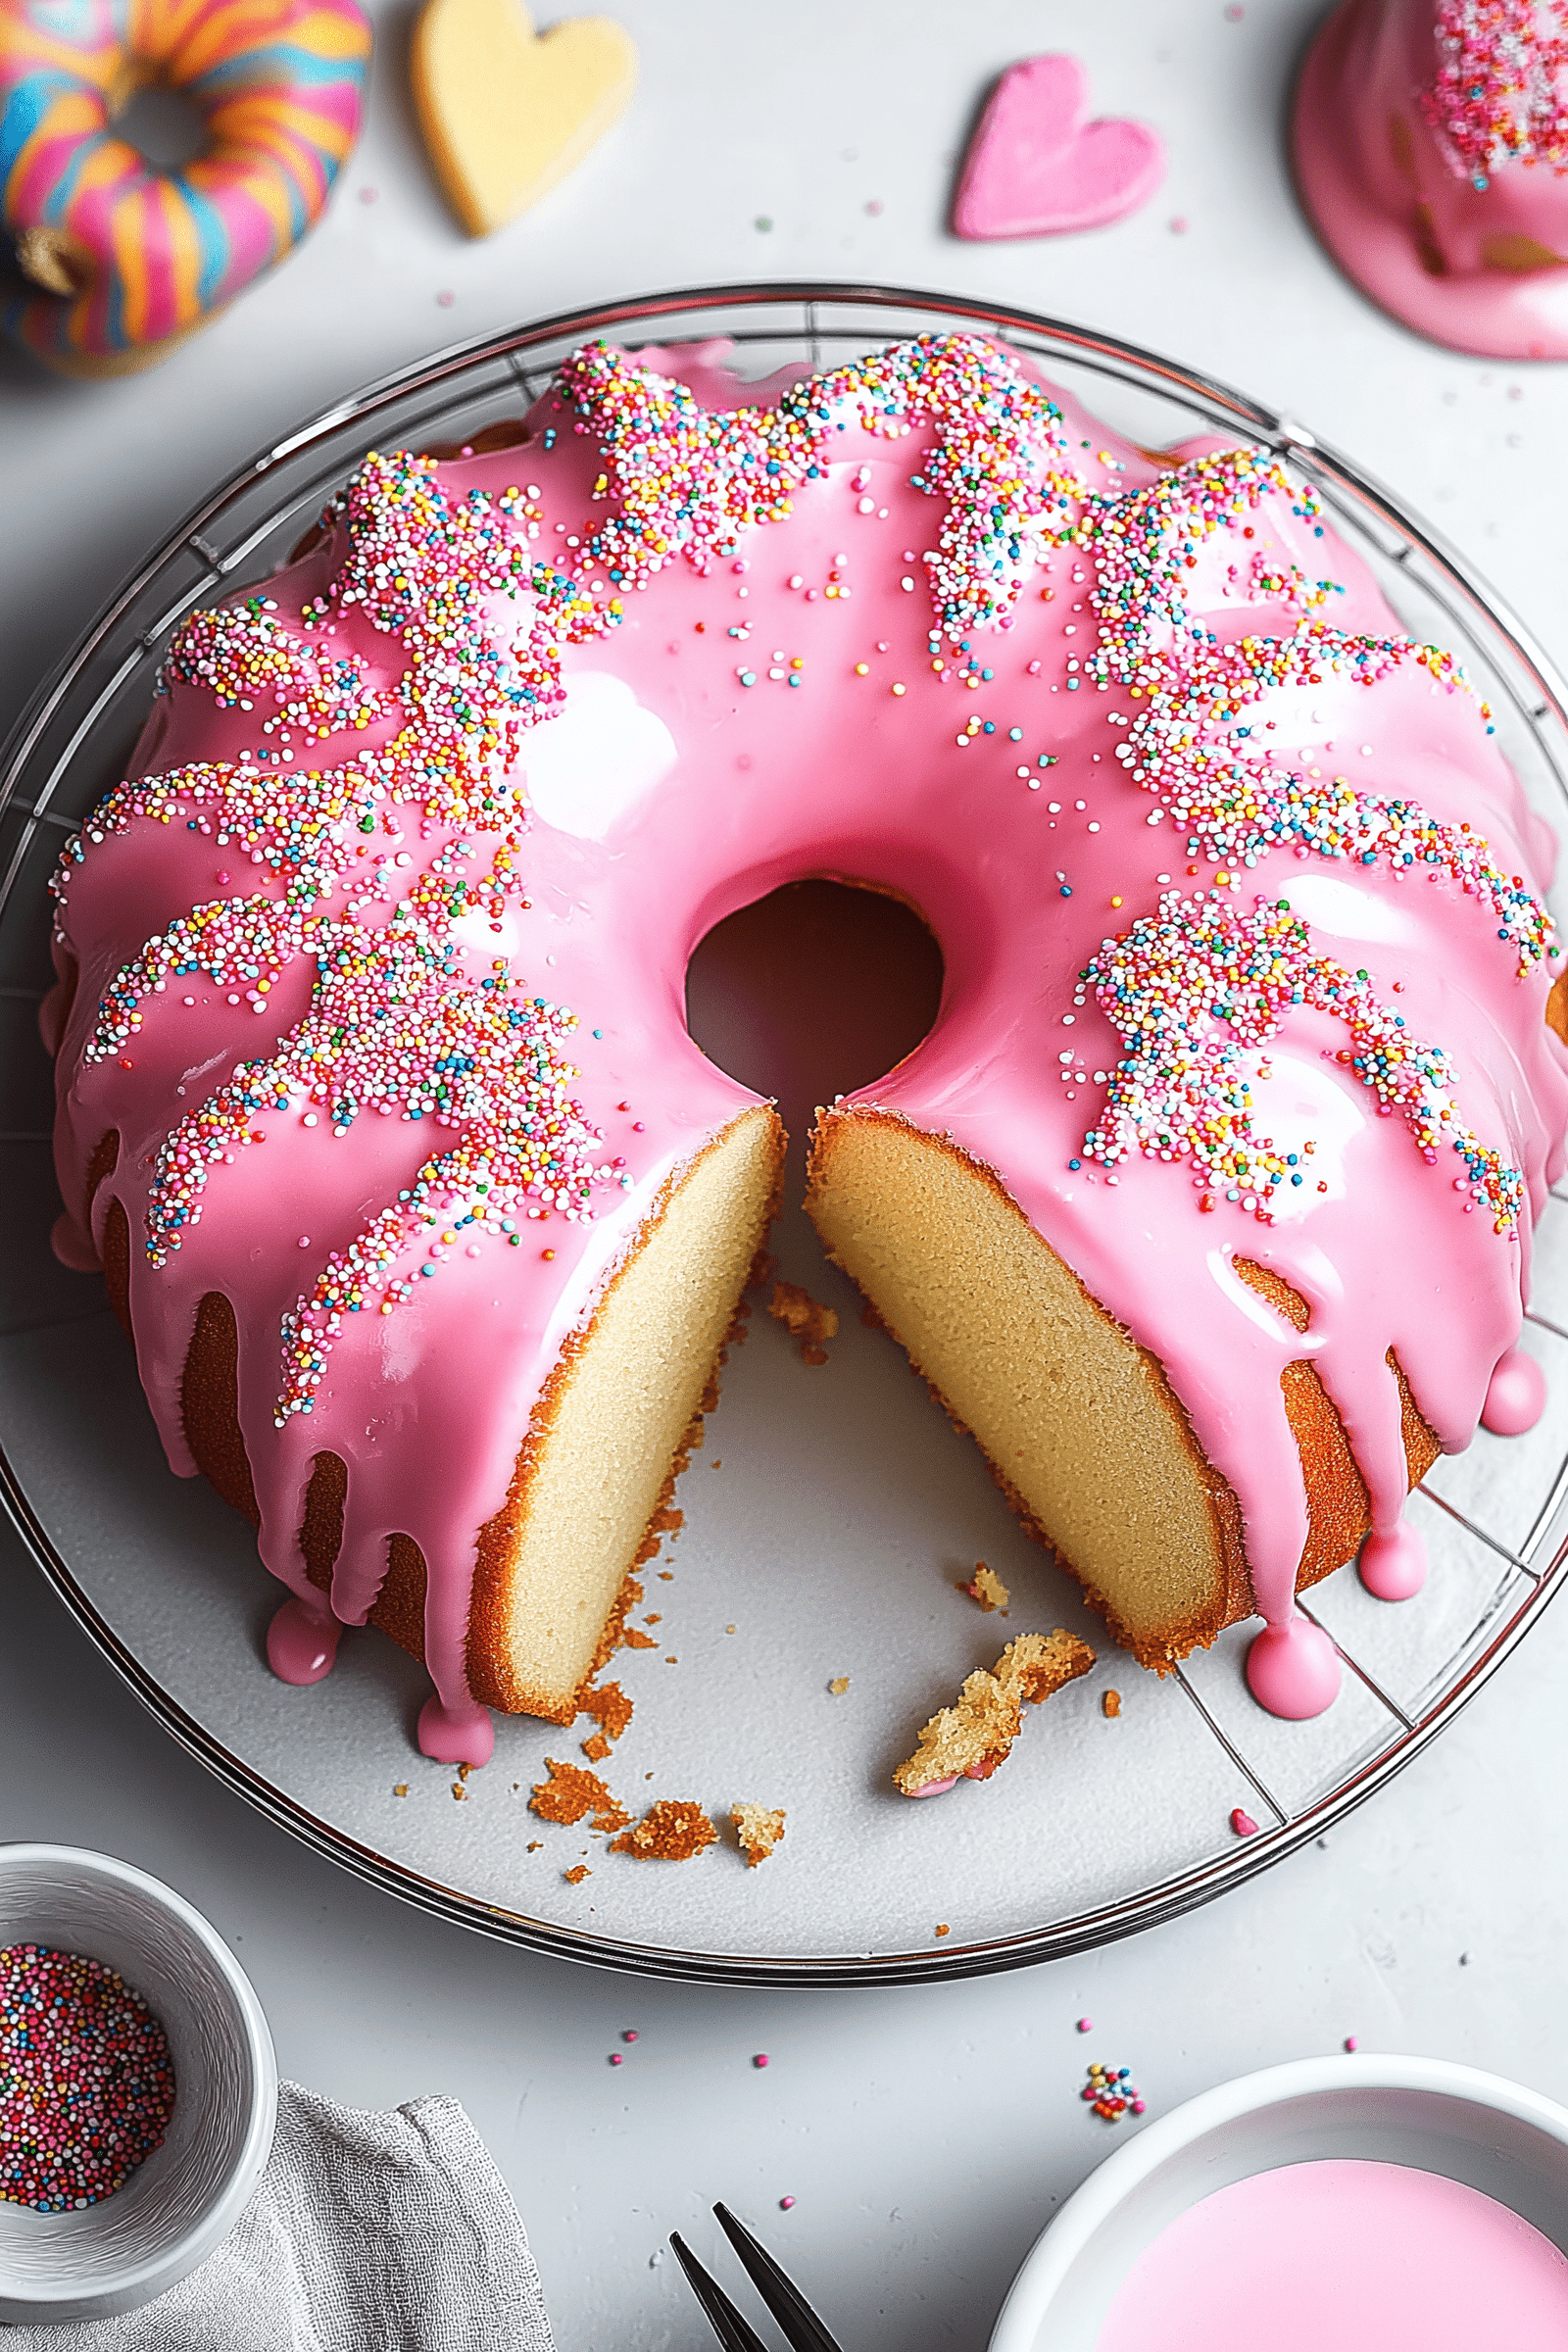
1481, 2137
1415, 2258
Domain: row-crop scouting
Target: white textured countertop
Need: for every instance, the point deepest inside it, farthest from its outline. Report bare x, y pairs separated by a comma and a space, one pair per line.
925, 2133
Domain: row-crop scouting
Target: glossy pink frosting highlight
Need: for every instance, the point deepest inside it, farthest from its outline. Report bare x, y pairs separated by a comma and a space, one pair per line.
794, 710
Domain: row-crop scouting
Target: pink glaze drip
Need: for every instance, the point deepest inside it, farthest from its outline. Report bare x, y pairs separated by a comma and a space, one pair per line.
1394, 1566
738, 728
301, 1642
1516, 1394
461, 1734
52, 1012
1362, 2255
73, 1247
1426, 195
937, 1788
1293, 1668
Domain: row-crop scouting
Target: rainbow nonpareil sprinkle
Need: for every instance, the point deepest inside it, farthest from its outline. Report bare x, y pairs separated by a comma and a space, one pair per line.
1110, 2093
1194, 990
87, 2084
1498, 92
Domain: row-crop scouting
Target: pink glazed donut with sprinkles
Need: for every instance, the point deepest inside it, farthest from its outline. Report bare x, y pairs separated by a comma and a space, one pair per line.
1206, 1204
115, 259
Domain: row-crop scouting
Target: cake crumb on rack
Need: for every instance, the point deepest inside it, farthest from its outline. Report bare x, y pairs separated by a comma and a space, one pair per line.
987, 1587
612, 1710
1110, 1703
570, 1793
971, 1738
804, 1320
675, 1829
757, 1830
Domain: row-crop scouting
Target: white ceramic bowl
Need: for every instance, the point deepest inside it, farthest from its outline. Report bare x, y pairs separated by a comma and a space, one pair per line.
186, 2198
1496, 2136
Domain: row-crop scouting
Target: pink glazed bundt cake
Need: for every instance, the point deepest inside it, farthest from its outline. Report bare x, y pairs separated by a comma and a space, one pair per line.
1429, 140
1206, 1204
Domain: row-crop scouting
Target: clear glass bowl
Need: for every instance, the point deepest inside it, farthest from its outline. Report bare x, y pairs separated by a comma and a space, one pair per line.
1139, 1824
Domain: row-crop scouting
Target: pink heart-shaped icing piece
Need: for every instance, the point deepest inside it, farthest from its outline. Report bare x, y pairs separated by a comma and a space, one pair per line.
1035, 167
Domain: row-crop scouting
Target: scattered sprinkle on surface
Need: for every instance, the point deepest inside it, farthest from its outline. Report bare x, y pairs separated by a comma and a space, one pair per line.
1110, 2093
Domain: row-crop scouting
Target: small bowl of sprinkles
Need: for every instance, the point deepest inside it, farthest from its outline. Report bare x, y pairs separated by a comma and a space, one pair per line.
137, 2087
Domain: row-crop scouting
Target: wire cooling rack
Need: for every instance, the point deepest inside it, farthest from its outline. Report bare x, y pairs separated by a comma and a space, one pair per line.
165, 1586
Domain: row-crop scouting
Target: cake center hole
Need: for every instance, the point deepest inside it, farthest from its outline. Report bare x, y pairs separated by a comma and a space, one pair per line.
163, 125
816, 990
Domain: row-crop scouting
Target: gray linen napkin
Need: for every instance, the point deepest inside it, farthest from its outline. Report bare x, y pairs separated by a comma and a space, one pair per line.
369, 2233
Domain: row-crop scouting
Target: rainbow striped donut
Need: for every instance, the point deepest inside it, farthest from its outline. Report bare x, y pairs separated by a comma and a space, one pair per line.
115, 259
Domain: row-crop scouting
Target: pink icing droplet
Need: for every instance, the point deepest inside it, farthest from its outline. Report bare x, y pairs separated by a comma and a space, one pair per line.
615, 2058
1086, 2025
785, 2204
760, 2059
68, 1245
1394, 1566
1293, 1670
461, 1734
52, 1016
1516, 1395
302, 1642
1351, 2042
1243, 1823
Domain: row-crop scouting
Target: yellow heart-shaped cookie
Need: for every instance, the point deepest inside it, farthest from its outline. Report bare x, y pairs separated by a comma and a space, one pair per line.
505, 112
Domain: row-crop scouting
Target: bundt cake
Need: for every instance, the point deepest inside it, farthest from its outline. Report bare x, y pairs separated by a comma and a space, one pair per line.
1205, 1204
1429, 139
